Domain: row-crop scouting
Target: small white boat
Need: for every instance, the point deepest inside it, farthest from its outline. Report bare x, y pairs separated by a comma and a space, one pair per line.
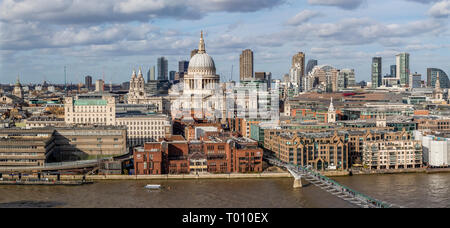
153, 186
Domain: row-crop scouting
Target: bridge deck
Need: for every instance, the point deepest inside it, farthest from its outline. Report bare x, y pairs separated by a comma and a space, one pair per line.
331, 186
53, 166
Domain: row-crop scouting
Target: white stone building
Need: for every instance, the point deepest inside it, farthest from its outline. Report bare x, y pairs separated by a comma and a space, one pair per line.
90, 109
436, 150
145, 128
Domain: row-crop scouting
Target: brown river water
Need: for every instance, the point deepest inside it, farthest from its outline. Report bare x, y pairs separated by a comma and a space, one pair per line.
407, 190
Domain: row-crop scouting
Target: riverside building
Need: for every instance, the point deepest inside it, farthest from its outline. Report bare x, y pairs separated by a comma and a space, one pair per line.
392, 154
436, 149
34, 147
215, 153
308, 146
142, 128
20, 148
141, 125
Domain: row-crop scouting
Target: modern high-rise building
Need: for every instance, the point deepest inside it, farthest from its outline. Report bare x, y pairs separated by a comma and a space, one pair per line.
88, 82
99, 86
376, 72
172, 75
151, 74
183, 66
297, 71
299, 60
346, 78
415, 80
182, 69
311, 64
393, 71
163, 69
432, 75
402, 72
246, 65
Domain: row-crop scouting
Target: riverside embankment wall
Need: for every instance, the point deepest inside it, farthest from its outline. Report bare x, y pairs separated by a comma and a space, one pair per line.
175, 177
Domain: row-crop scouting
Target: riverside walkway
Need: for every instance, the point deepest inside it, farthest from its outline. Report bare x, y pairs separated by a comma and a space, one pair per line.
330, 186
54, 166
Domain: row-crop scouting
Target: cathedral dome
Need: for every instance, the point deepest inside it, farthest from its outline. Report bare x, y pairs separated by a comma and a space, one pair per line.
202, 63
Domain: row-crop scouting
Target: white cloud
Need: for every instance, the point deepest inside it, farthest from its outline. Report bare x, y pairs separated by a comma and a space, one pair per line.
423, 1
344, 4
86, 11
303, 16
358, 31
440, 9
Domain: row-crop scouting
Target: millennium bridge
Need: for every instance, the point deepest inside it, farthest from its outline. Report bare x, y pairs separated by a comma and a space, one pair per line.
57, 166
329, 185
83, 165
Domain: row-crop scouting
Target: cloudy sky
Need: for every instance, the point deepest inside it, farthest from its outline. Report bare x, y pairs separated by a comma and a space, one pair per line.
39, 37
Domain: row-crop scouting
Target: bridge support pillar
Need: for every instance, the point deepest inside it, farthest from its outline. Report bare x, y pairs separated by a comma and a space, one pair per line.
298, 183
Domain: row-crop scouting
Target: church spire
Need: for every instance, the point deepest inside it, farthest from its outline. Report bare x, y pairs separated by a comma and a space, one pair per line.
18, 80
201, 45
438, 82
331, 108
140, 72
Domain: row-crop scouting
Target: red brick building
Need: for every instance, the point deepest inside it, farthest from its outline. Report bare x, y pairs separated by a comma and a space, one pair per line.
149, 159
214, 153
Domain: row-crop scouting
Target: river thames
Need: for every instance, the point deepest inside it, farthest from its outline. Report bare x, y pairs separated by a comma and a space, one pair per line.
407, 190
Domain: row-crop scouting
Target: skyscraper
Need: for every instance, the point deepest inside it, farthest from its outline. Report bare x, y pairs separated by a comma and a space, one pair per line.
246, 65
415, 80
151, 74
172, 75
182, 69
183, 66
432, 75
393, 71
297, 71
99, 86
311, 64
402, 72
376, 72
346, 78
163, 71
88, 82
299, 59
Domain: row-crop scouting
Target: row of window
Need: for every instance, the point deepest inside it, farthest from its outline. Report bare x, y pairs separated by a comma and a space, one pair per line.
17, 147
142, 123
18, 154
98, 139
145, 128
90, 109
18, 160
148, 133
89, 120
